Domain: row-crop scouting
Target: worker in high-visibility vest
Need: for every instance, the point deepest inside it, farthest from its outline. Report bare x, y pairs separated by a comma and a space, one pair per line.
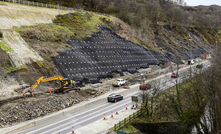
50, 89
24, 93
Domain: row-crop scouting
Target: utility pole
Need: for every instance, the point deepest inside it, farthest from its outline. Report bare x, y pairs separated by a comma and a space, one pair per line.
216, 48
216, 41
142, 77
190, 56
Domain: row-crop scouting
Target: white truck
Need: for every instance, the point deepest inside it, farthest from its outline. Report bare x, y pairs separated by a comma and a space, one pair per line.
119, 82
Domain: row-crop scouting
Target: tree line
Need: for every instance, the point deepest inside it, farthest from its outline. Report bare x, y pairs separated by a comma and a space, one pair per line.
195, 103
140, 13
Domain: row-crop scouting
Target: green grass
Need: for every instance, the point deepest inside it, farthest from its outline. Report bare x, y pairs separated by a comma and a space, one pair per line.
69, 26
8, 68
129, 129
5, 46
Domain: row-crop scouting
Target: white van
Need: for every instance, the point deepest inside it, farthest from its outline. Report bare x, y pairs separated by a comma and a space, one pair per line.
190, 62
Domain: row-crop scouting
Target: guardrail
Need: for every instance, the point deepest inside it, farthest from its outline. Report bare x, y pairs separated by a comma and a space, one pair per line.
127, 120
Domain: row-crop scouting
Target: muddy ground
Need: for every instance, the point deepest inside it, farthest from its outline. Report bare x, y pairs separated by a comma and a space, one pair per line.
19, 109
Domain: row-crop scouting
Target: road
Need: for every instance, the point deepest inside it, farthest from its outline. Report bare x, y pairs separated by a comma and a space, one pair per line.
90, 119
81, 118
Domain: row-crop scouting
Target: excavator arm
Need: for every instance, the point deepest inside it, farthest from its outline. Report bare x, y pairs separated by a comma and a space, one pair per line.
41, 79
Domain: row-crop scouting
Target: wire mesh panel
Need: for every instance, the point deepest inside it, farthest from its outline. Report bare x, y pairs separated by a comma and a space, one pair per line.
104, 52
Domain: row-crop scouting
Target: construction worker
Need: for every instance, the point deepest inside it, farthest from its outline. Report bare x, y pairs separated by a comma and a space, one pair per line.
32, 90
50, 89
24, 93
65, 84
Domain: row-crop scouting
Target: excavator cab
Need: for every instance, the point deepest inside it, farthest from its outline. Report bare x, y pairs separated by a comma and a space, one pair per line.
66, 84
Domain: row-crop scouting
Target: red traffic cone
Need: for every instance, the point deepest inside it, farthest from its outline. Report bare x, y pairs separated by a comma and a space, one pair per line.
116, 111
126, 106
72, 129
112, 114
104, 117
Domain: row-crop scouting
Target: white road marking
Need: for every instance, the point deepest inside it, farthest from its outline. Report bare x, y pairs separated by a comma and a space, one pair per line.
77, 123
74, 116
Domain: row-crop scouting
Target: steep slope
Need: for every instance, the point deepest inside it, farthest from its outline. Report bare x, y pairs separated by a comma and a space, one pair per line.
18, 15
20, 53
15, 53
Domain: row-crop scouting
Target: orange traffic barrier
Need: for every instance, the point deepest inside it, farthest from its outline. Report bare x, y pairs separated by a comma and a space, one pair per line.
24, 93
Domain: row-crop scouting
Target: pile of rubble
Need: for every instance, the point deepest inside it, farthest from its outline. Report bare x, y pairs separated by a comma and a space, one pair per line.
27, 110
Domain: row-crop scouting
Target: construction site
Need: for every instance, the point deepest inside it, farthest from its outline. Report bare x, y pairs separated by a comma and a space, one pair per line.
54, 77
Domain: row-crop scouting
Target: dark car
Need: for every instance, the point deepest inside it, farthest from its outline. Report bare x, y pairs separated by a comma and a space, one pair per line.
199, 66
114, 97
174, 75
144, 85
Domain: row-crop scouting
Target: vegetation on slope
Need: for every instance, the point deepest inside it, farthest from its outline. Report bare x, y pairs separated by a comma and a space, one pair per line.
70, 26
194, 103
140, 13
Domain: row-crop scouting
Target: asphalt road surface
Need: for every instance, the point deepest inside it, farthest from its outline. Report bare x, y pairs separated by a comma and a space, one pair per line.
95, 113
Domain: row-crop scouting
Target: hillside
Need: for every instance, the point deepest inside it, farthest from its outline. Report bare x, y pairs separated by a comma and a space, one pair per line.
89, 47
32, 48
211, 7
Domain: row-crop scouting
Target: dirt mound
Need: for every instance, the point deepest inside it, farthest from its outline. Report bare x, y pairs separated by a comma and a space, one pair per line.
29, 108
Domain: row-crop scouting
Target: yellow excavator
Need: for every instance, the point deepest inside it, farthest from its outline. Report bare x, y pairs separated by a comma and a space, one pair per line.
65, 83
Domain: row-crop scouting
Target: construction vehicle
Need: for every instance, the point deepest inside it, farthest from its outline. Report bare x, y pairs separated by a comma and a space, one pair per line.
65, 83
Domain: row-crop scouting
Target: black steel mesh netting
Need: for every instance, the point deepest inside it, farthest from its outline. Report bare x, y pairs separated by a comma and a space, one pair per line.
105, 52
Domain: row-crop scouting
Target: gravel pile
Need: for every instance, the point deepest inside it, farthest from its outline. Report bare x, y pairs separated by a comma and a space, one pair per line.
27, 110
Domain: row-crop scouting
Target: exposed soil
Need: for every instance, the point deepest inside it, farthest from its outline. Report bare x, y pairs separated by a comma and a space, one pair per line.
22, 109
19, 109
